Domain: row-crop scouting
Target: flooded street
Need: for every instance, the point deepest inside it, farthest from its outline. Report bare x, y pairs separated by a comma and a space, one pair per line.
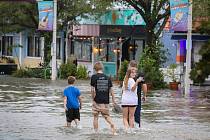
32, 109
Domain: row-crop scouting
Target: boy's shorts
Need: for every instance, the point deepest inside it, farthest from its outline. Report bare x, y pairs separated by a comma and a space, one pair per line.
100, 108
72, 114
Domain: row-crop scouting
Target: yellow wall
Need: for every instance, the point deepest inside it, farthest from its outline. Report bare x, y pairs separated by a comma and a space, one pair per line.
32, 62
29, 62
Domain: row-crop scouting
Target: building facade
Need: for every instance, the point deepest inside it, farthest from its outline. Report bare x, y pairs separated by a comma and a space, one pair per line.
27, 49
118, 35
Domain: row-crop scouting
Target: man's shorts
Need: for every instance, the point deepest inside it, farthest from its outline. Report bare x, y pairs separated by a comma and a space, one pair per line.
72, 114
100, 108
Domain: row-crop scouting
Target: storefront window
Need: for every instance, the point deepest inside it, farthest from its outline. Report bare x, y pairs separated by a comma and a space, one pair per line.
135, 49
82, 49
34, 47
105, 50
138, 49
58, 48
7, 42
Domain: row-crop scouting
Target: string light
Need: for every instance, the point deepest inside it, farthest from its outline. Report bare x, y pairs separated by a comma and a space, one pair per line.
120, 40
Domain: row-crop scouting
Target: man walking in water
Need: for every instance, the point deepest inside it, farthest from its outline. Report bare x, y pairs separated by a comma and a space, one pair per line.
101, 87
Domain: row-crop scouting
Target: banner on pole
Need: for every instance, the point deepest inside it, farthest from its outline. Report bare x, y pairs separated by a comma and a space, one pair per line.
45, 15
179, 14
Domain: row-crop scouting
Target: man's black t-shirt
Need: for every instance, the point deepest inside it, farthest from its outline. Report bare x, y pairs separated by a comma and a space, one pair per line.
102, 84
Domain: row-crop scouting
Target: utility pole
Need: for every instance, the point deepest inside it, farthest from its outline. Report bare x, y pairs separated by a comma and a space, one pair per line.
67, 43
189, 48
53, 47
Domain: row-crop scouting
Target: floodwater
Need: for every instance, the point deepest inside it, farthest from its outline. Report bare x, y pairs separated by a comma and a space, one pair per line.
32, 109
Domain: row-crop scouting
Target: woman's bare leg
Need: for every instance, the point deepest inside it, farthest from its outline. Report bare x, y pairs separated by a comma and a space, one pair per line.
125, 118
131, 111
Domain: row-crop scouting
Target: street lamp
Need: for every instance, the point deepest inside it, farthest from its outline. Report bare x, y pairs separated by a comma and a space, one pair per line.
117, 52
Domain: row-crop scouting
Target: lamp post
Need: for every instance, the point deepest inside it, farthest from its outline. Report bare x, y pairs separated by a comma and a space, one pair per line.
53, 47
117, 52
189, 47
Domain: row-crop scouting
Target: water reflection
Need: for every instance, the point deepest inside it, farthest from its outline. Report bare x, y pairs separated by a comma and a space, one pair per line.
33, 109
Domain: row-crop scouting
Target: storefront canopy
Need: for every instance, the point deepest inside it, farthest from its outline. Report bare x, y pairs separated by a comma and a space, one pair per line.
137, 31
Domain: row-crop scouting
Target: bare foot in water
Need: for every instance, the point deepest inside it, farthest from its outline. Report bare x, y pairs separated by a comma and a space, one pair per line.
67, 124
114, 131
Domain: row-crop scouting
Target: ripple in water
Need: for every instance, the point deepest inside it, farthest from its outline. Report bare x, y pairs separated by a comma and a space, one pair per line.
33, 109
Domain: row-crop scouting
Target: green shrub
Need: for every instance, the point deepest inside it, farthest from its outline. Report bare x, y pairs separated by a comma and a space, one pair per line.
123, 69
82, 72
200, 72
29, 72
36, 72
171, 73
47, 73
152, 74
66, 70
21, 73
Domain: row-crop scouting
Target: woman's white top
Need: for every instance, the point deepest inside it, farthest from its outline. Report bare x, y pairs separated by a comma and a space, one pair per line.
129, 97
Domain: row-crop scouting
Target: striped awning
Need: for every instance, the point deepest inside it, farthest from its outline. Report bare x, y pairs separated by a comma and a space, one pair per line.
86, 30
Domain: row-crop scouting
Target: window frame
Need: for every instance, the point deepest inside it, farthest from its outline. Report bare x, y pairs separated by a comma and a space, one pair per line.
36, 47
5, 47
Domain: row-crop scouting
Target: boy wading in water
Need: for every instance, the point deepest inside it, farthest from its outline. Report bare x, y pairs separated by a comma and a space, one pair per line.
101, 87
72, 103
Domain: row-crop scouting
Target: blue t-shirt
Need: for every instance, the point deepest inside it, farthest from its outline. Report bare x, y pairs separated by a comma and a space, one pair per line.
72, 94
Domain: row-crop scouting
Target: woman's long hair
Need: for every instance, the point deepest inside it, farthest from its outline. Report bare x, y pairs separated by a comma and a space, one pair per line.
127, 76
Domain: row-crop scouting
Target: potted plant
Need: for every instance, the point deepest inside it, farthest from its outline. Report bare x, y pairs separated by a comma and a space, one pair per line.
171, 73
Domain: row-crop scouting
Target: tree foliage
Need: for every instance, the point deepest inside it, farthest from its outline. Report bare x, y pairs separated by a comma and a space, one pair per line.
201, 71
149, 65
155, 14
17, 16
201, 8
69, 10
